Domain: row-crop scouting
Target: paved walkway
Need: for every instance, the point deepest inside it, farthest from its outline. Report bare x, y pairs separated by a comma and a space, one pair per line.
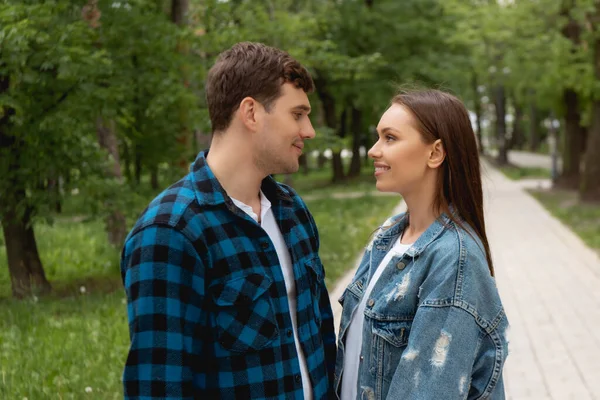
550, 284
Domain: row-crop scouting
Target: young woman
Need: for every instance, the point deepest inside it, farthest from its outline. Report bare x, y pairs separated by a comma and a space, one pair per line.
422, 318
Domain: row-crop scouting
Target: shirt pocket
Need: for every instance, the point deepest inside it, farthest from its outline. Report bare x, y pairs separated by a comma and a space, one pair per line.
245, 317
389, 340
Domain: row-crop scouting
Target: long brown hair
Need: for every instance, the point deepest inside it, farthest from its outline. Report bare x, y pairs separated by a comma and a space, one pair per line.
440, 115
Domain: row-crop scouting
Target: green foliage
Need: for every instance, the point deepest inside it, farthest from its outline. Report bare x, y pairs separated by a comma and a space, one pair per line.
49, 66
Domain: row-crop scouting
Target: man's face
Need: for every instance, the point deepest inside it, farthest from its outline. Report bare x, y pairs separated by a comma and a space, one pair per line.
284, 128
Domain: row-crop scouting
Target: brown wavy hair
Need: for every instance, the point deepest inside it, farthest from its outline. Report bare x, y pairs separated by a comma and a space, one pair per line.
250, 70
440, 115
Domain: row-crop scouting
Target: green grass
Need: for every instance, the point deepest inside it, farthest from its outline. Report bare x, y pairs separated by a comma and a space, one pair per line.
71, 348
515, 173
583, 218
73, 343
345, 227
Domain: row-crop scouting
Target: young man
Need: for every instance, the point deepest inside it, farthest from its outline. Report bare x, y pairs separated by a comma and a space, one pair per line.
225, 289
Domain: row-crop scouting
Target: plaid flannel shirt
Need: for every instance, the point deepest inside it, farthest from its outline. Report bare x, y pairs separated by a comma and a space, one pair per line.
207, 304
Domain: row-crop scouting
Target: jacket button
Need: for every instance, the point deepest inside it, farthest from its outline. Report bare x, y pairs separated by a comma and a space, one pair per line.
400, 265
264, 245
361, 358
370, 303
289, 333
297, 378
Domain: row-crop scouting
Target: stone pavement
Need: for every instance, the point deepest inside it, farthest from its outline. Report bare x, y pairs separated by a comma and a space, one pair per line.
550, 285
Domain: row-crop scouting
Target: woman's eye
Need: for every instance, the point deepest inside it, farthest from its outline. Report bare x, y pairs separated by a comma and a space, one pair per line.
389, 138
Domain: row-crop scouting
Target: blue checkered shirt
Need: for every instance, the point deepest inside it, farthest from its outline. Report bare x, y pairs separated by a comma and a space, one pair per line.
208, 311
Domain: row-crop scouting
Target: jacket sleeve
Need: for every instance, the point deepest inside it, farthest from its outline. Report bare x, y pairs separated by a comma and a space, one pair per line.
448, 356
164, 283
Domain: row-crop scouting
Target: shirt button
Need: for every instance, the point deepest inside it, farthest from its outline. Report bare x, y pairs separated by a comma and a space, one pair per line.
370, 303
361, 358
289, 333
264, 245
297, 378
400, 265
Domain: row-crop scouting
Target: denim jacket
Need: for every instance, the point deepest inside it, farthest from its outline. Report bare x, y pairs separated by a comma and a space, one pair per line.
434, 324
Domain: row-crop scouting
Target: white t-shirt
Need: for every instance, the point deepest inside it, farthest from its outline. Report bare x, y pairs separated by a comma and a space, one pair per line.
268, 223
353, 343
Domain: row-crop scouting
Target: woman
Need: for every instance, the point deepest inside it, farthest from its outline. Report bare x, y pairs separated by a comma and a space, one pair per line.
422, 318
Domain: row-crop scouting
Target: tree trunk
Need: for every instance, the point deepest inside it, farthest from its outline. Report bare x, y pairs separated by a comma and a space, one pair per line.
53, 188
137, 165
478, 112
502, 143
572, 153
337, 163
590, 179
589, 189
303, 160
338, 167
534, 127
356, 127
27, 275
115, 220
321, 160
154, 177
517, 137
328, 104
127, 161
25, 268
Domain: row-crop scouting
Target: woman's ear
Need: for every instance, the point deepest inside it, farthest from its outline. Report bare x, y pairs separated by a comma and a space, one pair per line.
437, 154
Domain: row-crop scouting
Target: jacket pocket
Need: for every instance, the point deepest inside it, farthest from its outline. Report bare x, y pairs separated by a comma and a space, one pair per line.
389, 341
245, 317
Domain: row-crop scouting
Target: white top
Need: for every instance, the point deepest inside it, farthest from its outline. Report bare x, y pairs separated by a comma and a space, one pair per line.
353, 343
268, 223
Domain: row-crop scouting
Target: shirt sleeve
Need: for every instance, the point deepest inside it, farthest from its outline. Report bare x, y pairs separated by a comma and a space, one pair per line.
448, 356
164, 283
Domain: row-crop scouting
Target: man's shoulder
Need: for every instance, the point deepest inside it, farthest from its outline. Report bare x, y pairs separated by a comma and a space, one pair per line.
169, 208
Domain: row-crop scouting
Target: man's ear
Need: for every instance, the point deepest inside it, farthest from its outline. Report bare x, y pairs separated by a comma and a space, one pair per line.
437, 154
249, 113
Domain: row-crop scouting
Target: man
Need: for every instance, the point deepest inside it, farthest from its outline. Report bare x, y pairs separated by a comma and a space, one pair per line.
225, 289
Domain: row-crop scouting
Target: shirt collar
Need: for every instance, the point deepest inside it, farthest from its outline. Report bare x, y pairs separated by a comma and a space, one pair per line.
209, 191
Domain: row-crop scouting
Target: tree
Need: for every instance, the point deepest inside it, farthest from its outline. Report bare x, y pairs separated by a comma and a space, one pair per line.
49, 136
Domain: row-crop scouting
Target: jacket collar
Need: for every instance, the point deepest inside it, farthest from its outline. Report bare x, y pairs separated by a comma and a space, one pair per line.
391, 230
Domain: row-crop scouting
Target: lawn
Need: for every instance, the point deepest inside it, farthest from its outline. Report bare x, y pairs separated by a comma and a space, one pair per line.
515, 172
72, 344
583, 218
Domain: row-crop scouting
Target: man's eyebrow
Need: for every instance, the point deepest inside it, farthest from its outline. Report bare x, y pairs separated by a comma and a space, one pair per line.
302, 107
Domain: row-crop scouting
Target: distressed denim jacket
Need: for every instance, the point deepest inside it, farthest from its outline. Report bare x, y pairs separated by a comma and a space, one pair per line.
434, 324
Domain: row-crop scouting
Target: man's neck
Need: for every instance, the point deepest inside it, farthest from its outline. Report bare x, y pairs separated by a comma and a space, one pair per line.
235, 170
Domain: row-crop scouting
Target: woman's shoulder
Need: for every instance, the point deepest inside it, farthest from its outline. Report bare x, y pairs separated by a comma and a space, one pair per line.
459, 256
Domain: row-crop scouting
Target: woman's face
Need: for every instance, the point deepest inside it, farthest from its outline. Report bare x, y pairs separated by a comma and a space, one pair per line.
400, 155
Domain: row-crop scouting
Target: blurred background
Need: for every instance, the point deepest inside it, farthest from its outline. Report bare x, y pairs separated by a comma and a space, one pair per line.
102, 107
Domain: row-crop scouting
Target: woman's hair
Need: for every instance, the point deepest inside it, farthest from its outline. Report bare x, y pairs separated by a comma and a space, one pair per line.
440, 115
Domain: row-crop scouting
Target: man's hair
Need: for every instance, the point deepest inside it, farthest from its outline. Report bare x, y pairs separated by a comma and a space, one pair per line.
250, 70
